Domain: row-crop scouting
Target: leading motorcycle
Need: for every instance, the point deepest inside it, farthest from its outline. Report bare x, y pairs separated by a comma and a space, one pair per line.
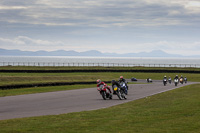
104, 92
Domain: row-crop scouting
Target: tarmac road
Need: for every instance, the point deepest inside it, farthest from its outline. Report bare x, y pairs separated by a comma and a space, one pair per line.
53, 103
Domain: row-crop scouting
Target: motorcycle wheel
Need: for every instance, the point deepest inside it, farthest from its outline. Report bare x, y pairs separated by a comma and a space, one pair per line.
125, 97
119, 95
103, 93
110, 96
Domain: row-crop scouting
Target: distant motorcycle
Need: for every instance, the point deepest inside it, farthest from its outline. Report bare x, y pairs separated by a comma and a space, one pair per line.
181, 80
165, 81
170, 80
149, 80
185, 79
133, 79
104, 92
119, 92
176, 82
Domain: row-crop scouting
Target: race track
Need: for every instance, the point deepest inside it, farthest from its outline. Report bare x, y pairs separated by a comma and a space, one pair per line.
53, 103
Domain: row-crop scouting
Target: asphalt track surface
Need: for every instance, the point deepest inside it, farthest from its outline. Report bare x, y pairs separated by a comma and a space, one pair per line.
61, 102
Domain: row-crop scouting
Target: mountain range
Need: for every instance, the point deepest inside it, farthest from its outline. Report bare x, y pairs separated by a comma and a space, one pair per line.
154, 53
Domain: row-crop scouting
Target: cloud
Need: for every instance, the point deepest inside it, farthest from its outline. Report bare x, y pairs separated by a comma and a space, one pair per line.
29, 43
100, 13
120, 26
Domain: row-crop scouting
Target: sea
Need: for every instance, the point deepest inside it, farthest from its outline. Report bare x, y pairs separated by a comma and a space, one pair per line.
99, 61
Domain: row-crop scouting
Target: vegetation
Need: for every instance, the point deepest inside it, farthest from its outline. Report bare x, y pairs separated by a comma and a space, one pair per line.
32, 90
19, 78
173, 111
30, 78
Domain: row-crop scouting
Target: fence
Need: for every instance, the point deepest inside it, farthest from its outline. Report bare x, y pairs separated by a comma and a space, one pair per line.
95, 64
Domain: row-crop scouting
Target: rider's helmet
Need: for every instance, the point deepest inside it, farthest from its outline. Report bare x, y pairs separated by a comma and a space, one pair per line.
98, 81
113, 81
121, 78
165, 76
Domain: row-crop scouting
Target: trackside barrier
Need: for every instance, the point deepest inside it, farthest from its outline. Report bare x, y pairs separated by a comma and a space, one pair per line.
95, 64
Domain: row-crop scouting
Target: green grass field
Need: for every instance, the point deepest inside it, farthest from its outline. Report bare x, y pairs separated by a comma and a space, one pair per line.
36, 78
175, 111
29, 78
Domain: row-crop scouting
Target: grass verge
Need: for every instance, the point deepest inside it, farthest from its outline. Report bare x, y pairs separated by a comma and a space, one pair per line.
31, 78
173, 111
32, 90
22, 91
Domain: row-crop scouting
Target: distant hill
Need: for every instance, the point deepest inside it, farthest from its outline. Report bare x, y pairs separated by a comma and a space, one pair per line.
155, 53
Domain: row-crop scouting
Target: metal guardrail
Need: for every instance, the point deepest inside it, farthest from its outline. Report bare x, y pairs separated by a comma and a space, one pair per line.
95, 64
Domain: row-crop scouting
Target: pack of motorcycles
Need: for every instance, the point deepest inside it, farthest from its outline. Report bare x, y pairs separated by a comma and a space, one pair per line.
122, 91
180, 80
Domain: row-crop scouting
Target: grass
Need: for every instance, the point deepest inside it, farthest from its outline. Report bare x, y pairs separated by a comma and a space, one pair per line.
169, 112
35, 78
32, 90
29, 78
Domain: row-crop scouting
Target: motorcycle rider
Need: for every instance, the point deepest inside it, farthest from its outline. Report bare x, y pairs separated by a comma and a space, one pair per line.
165, 79
169, 80
185, 79
121, 79
181, 79
104, 84
115, 83
148, 80
176, 77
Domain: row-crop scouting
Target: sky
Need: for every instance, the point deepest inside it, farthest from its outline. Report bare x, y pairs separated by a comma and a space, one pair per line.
109, 26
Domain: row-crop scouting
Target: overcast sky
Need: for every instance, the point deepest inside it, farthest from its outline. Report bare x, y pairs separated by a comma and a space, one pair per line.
119, 26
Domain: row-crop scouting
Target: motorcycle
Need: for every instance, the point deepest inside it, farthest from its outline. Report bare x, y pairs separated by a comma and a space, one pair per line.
104, 92
119, 92
124, 87
165, 81
176, 82
170, 80
185, 79
181, 80
149, 80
